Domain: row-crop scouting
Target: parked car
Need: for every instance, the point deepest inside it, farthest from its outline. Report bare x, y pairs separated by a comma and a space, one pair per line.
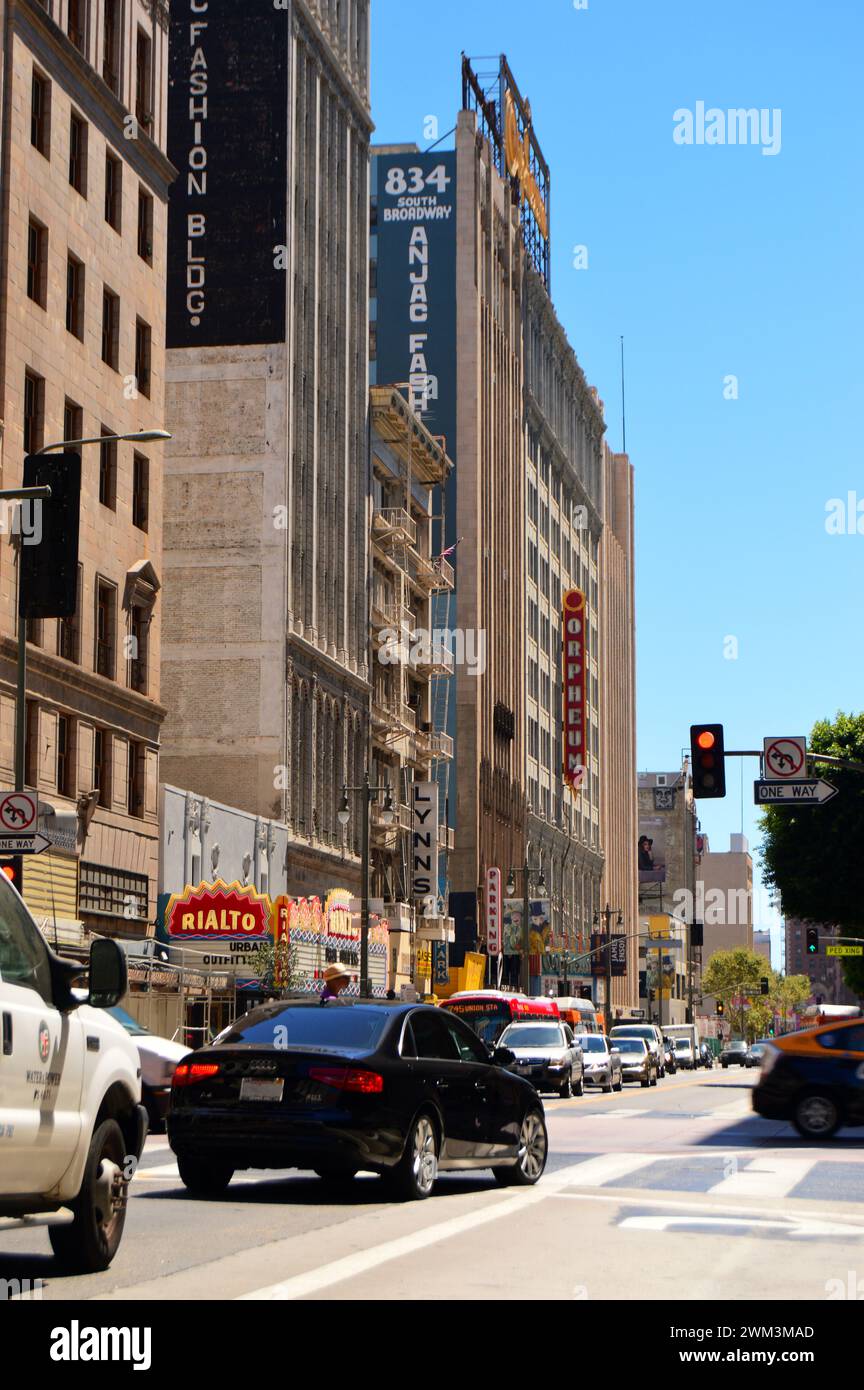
684, 1055
602, 1062
403, 1090
546, 1054
638, 1062
652, 1036
734, 1054
70, 1093
158, 1057
814, 1078
669, 1055
706, 1056
756, 1053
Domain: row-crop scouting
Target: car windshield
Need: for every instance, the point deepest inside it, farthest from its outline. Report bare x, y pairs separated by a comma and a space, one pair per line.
592, 1043
129, 1023
531, 1035
737, 1047
643, 1032
682, 1045
629, 1044
332, 1026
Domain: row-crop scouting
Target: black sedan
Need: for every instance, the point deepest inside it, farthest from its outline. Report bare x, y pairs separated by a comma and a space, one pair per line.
735, 1054
547, 1054
403, 1090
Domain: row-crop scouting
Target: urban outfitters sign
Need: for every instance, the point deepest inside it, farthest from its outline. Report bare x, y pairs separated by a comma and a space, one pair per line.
227, 114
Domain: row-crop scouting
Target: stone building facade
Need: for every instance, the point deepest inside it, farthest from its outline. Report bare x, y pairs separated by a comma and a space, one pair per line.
267, 479
85, 182
667, 815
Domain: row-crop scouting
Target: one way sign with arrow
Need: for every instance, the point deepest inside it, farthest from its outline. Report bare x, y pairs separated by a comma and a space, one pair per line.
806, 792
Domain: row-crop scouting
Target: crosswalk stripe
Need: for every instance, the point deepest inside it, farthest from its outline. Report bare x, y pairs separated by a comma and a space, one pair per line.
764, 1177
596, 1172
612, 1114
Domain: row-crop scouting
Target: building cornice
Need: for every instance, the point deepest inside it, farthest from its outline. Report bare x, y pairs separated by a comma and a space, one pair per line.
58, 681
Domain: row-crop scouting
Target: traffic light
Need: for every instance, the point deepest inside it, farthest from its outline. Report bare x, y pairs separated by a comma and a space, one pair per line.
763, 985
720, 1008
812, 941
13, 867
707, 760
49, 546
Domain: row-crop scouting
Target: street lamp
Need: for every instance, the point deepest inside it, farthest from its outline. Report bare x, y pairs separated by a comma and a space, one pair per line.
388, 816
607, 914
526, 871
134, 436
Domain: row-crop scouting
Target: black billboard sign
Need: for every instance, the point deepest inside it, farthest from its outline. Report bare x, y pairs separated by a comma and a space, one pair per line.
227, 117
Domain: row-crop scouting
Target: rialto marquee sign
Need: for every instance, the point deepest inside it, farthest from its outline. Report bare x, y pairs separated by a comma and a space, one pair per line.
218, 911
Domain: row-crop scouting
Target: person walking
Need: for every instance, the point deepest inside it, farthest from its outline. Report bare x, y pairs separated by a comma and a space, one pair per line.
335, 980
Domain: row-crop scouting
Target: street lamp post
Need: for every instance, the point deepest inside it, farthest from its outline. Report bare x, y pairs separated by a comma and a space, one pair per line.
526, 871
607, 913
135, 436
343, 815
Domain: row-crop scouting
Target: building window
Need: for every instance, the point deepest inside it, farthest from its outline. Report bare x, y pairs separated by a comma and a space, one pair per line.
113, 191
135, 802
65, 760
108, 469
110, 328
106, 628
33, 629
40, 114
112, 892
102, 767
73, 420
140, 491
142, 356
143, 76
31, 743
75, 24
37, 262
75, 297
139, 632
145, 226
111, 45
68, 629
78, 154
34, 412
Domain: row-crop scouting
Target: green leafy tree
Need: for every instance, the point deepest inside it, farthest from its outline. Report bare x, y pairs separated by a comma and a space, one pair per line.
789, 994
276, 966
813, 857
729, 974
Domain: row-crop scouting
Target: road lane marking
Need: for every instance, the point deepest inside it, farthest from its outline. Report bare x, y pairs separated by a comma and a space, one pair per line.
792, 1227
605, 1168
351, 1266
695, 1209
764, 1177
615, 1114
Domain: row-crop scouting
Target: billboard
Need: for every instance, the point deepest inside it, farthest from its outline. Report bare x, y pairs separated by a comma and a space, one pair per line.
651, 849
227, 118
539, 926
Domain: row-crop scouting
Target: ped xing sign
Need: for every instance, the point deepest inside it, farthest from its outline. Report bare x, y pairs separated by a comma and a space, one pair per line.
805, 792
844, 950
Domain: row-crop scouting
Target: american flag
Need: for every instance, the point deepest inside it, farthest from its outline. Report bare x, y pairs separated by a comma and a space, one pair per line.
450, 549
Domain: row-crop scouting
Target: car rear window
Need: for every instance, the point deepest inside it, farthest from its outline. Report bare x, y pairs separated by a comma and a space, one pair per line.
354, 1028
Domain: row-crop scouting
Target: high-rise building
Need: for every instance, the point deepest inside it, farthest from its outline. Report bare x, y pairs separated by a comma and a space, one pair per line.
725, 899
667, 869
84, 189
266, 673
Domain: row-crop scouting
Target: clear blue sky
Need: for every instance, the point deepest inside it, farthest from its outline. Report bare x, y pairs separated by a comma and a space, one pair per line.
711, 260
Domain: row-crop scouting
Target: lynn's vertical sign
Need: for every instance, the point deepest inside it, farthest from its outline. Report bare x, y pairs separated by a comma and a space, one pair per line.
424, 840
573, 701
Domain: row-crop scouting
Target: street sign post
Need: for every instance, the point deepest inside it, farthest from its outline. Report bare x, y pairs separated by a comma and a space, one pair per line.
804, 791
785, 759
844, 950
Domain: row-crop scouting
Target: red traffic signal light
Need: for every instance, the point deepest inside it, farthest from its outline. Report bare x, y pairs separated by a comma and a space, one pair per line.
707, 760
13, 868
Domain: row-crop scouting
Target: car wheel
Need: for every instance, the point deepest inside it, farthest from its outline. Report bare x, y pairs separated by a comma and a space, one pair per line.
532, 1154
662, 1071
607, 1087
90, 1242
204, 1179
646, 1081
619, 1084
654, 1079
579, 1088
817, 1116
566, 1090
724, 1065
414, 1175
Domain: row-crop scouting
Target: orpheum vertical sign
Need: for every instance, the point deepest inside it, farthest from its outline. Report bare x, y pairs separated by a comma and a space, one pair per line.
227, 115
573, 692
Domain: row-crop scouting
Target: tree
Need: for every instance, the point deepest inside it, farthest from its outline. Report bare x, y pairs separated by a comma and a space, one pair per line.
813, 857
276, 966
732, 973
790, 993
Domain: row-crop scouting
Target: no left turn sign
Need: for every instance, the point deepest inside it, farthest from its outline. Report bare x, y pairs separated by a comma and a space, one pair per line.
17, 813
785, 759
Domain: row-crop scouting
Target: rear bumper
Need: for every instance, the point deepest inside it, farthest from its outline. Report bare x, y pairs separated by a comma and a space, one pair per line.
247, 1141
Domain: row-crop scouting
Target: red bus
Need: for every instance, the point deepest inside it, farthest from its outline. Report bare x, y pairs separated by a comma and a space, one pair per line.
489, 1011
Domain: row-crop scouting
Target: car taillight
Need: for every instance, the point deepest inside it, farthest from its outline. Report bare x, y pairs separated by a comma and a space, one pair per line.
188, 1073
348, 1079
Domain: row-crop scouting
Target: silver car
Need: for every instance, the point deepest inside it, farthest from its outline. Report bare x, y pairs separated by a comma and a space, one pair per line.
546, 1054
601, 1061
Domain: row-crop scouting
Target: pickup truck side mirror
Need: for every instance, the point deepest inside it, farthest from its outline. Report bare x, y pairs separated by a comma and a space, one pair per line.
108, 974
502, 1057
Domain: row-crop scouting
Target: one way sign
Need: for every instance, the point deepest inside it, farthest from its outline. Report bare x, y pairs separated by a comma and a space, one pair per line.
806, 792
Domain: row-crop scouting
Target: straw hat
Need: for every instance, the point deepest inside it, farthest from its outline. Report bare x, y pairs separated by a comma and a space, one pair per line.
335, 972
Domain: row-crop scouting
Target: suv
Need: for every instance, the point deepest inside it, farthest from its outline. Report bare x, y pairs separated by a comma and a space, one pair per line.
651, 1034
71, 1124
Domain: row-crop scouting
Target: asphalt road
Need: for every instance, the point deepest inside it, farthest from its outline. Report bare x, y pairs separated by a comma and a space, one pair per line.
676, 1192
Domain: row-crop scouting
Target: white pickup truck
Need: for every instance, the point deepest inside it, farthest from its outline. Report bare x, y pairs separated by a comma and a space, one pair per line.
72, 1126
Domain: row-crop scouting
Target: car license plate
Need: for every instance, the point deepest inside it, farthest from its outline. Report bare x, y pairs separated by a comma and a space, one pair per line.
260, 1088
